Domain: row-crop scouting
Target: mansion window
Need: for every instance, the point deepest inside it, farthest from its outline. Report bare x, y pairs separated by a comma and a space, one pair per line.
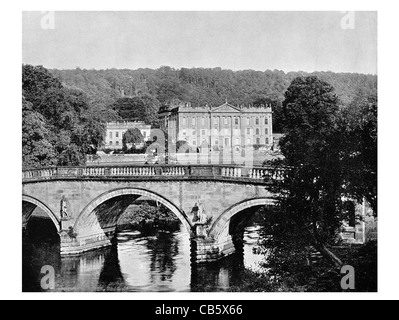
110, 143
257, 121
267, 141
110, 134
203, 132
248, 130
257, 141
216, 120
257, 131
117, 134
117, 142
226, 121
267, 131
248, 121
226, 142
193, 121
236, 121
266, 120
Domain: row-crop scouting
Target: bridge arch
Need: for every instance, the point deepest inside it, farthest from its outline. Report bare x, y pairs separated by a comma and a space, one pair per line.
29, 204
89, 210
224, 219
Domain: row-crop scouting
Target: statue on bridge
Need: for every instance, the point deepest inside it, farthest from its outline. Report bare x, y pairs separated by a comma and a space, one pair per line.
199, 213
64, 208
200, 219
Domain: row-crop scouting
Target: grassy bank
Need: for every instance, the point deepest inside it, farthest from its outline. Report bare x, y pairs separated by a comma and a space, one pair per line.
318, 276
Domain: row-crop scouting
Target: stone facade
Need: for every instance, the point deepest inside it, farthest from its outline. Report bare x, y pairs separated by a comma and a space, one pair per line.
116, 130
224, 127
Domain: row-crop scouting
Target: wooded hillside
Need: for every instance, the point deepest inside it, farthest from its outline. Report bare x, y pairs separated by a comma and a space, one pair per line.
203, 86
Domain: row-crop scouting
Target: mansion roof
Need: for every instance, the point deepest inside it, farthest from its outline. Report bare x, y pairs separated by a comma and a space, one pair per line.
127, 124
224, 108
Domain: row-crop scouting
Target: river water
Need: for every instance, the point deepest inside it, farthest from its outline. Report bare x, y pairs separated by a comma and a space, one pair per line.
139, 262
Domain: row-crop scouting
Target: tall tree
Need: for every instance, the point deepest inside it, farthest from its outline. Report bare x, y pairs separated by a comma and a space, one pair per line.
313, 146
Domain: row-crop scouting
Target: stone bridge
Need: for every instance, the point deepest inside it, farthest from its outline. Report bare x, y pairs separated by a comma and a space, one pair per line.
85, 203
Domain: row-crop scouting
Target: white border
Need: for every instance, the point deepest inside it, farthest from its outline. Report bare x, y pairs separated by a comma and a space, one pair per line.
11, 57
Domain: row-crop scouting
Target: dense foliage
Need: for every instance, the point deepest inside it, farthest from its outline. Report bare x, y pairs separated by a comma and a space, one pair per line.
144, 108
131, 137
146, 213
314, 274
331, 155
202, 86
59, 125
359, 123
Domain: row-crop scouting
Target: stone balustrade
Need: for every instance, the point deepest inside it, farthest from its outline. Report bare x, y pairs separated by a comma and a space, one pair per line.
258, 174
174, 171
231, 172
132, 171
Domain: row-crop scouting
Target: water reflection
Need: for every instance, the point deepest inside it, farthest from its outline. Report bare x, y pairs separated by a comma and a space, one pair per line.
139, 261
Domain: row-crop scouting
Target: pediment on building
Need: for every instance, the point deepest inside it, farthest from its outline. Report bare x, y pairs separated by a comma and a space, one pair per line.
226, 108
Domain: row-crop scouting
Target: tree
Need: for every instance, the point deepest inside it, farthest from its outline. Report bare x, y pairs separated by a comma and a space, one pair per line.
143, 108
131, 137
330, 154
63, 117
182, 146
313, 146
129, 108
359, 123
36, 81
37, 150
151, 108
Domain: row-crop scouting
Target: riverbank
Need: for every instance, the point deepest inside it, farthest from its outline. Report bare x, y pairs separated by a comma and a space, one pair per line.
319, 276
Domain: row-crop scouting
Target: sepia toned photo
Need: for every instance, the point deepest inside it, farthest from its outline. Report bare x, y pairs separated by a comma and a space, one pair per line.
199, 151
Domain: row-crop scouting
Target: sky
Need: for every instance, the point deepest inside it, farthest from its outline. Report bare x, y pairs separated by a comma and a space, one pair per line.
259, 40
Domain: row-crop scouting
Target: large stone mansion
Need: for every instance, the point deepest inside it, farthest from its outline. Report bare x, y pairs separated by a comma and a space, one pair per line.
223, 127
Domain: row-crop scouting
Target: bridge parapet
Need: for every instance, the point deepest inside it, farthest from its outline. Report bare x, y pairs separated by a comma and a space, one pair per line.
159, 172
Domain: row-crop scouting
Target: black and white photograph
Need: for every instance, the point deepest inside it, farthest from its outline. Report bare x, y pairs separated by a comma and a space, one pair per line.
199, 159
199, 151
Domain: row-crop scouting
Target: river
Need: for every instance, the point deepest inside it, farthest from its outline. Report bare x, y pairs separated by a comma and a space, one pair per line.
139, 262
